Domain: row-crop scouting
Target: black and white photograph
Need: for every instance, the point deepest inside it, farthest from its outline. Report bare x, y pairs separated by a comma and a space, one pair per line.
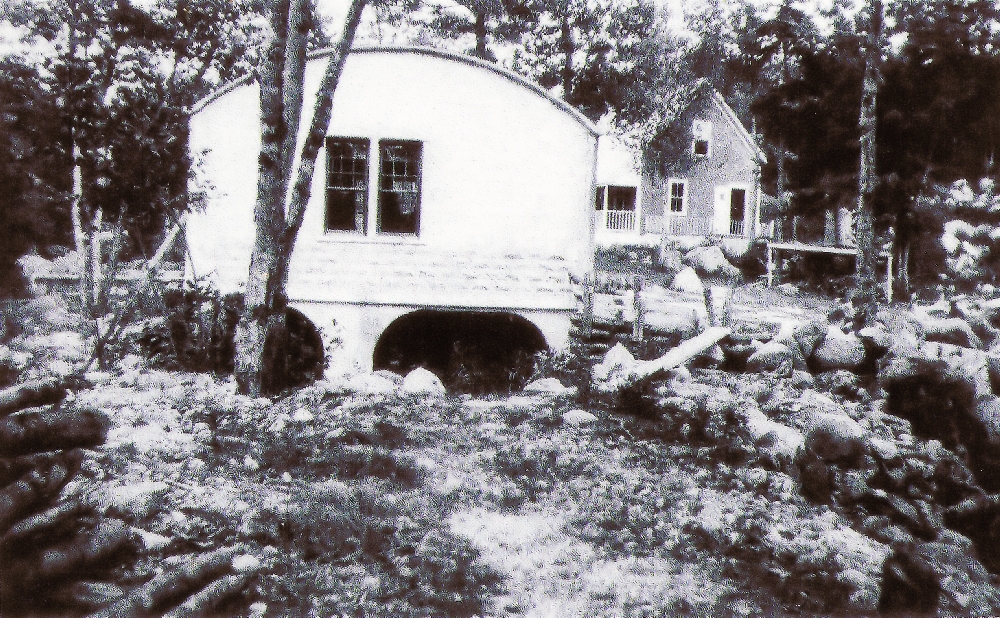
499, 308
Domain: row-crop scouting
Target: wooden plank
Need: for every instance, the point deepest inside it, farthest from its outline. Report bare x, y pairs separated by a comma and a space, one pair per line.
608, 380
684, 352
795, 246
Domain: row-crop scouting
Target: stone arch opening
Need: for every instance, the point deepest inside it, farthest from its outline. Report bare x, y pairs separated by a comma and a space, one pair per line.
294, 358
473, 352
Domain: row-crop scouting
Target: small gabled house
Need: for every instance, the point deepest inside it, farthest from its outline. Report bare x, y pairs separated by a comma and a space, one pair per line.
708, 183
450, 194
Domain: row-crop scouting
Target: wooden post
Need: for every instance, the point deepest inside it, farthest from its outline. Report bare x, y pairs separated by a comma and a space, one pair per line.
588, 304
888, 278
770, 265
637, 322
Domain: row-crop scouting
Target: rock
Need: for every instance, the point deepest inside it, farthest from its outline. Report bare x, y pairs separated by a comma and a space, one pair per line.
839, 382
685, 244
711, 262
883, 449
688, 281
967, 586
839, 350
669, 259
876, 339
549, 386
809, 335
577, 418
834, 437
422, 382
371, 384
135, 499
772, 357
802, 379
681, 322
955, 331
909, 584
735, 249
777, 442
616, 367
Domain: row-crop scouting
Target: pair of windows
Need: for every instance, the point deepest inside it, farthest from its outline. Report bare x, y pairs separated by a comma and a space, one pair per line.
398, 182
615, 198
678, 197
701, 145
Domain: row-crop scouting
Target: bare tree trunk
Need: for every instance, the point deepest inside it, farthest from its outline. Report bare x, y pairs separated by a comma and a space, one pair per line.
568, 48
261, 330
865, 278
482, 51
262, 299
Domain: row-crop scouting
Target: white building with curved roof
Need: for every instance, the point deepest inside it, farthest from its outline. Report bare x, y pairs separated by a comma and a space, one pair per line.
445, 183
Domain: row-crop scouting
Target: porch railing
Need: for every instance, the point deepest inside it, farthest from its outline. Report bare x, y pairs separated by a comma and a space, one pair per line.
736, 228
619, 220
687, 226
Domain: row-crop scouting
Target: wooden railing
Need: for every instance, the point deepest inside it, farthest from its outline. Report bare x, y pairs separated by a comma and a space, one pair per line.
736, 228
687, 226
619, 220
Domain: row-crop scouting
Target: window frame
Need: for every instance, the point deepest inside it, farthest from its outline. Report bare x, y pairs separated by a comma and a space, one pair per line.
701, 131
365, 143
380, 205
685, 194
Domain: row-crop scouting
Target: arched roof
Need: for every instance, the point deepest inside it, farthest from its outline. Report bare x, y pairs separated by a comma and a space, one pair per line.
427, 51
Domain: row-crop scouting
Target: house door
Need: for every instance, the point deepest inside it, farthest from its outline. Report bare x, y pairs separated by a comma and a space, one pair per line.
730, 209
737, 210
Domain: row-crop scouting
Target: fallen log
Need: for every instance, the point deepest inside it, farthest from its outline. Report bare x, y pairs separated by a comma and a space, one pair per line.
173, 584
31, 394
86, 553
615, 374
35, 431
36, 488
51, 523
204, 602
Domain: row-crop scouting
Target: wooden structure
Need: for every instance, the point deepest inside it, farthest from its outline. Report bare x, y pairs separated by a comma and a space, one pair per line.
775, 248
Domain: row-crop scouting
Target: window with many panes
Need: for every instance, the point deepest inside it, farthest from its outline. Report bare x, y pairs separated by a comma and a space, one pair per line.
678, 197
399, 186
346, 184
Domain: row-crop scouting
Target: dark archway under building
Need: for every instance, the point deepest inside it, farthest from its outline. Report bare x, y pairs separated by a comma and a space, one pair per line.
296, 357
473, 352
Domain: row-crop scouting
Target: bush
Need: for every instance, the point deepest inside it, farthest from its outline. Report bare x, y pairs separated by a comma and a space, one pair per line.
196, 333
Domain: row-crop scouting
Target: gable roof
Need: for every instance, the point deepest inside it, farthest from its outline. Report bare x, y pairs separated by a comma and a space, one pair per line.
425, 51
705, 88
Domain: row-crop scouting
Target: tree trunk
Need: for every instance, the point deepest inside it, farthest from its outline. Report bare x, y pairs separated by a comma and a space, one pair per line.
568, 48
865, 277
262, 299
261, 331
482, 51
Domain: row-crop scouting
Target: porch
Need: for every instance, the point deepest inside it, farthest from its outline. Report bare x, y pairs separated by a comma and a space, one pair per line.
679, 225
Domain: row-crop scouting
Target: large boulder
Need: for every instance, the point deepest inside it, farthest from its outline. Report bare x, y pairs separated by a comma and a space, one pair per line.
422, 382
688, 281
615, 370
835, 437
672, 320
772, 357
711, 262
839, 350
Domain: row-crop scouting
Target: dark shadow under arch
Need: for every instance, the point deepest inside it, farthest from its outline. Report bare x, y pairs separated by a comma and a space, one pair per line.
293, 358
472, 352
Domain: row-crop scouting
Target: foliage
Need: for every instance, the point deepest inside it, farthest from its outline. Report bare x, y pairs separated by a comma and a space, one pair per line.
195, 332
32, 171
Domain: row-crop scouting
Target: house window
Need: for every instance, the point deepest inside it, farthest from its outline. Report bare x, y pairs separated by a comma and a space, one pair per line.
346, 184
678, 197
399, 186
621, 198
616, 198
702, 144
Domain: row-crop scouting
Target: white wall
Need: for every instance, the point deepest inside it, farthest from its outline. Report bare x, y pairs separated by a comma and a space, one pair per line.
505, 170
